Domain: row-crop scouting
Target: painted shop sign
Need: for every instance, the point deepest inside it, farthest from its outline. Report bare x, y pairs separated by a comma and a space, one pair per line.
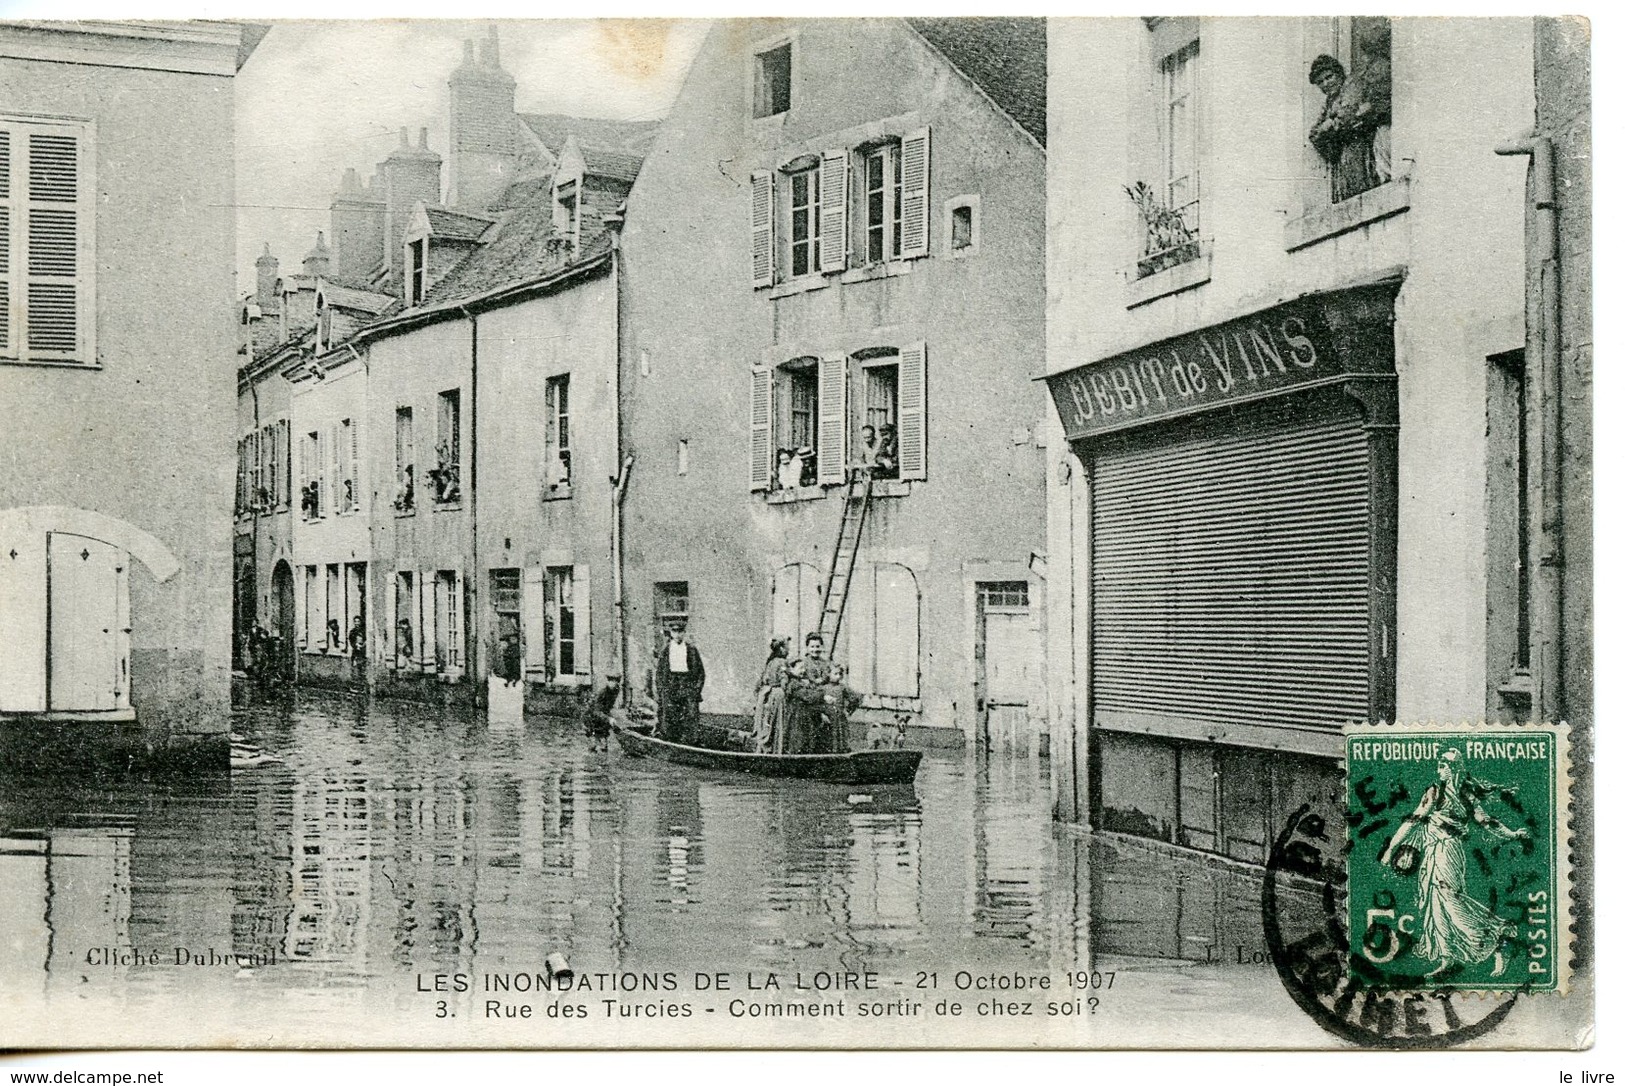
1310, 342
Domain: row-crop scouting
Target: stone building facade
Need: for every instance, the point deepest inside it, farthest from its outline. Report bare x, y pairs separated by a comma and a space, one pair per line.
1286, 348
115, 402
839, 227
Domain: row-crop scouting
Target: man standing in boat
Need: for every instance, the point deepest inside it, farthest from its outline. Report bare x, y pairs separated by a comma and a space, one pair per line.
679, 680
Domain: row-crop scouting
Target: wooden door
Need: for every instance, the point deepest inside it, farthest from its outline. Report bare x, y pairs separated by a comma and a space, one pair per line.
89, 662
1007, 659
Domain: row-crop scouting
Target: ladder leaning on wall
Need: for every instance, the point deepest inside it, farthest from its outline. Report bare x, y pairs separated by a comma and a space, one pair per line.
854, 512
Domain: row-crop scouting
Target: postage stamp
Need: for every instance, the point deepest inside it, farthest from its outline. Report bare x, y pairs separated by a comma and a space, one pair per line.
1457, 875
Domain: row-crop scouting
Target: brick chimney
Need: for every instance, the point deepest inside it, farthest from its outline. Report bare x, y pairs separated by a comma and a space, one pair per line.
319, 259
411, 176
358, 227
484, 147
265, 276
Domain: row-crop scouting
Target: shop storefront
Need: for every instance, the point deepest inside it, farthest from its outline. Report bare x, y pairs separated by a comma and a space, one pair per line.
1238, 558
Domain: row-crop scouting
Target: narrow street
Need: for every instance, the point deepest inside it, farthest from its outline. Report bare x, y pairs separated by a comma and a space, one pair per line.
393, 843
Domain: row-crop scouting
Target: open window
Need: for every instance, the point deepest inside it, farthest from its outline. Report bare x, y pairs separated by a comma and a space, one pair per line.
811, 418
313, 474
405, 500
1167, 194
1348, 107
772, 84
446, 475
557, 451
417, 270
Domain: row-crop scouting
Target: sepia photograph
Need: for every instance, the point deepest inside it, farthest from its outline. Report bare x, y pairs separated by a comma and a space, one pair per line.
887, 532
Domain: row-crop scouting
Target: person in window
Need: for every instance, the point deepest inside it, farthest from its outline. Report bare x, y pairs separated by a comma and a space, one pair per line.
809, 466
679, 682
403, 493
1347, 127
335, 635
868, 449
886, 453
788, 476
768, 734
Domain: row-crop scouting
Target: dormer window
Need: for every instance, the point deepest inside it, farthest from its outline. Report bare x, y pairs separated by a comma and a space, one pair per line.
324, 324
417, 271
566, 213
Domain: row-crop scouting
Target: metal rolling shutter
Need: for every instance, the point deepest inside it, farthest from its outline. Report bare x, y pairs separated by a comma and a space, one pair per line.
1230, 573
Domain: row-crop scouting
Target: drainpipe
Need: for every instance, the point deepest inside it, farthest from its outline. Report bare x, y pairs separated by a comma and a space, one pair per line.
1544, 433
253, 504
617, 523
472, 617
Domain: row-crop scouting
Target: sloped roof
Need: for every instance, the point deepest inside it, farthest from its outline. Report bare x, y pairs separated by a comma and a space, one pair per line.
364, 301
456, 225
1006, 57
554, 128
297, 337
615, 165
523, 248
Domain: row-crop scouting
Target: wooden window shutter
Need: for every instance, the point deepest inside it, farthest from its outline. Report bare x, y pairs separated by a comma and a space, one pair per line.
832, 419
322, 500
355, 462
533, 619
581, 594
911, 401
284, 479
832, 211
8, 345
53, 321
916, 171
256, 468
761, 428
761, 229
426, 632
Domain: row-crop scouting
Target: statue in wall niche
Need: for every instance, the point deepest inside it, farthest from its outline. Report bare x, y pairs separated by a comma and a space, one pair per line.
1352, 134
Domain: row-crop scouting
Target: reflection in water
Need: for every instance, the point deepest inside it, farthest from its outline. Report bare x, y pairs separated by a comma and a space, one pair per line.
396, 843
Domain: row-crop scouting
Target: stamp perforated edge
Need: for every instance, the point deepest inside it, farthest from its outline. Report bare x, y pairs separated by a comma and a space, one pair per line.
1562, 800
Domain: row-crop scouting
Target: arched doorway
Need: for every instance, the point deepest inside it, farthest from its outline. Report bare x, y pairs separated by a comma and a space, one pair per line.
282, 616
65, 610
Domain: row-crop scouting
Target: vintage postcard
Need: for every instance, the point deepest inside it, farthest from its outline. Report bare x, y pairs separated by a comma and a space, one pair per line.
796, 533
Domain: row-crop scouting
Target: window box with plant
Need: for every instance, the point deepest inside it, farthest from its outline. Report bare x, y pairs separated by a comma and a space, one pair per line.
1168, 240
444, 477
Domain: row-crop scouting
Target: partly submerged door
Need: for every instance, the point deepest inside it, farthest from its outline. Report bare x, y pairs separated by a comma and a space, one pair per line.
1008, 644
88, 652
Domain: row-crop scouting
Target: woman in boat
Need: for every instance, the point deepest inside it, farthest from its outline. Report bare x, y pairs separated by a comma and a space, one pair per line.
769, 731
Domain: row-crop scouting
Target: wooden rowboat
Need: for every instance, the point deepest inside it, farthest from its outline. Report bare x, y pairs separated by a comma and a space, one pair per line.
856, 767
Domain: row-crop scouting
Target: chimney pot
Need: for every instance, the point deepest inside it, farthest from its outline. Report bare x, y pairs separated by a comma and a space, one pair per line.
405, 140
423, 138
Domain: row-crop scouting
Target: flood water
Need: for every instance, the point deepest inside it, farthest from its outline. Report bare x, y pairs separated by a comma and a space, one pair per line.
397, 852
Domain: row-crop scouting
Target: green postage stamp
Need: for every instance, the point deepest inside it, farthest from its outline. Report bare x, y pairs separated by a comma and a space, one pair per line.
1458, 864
